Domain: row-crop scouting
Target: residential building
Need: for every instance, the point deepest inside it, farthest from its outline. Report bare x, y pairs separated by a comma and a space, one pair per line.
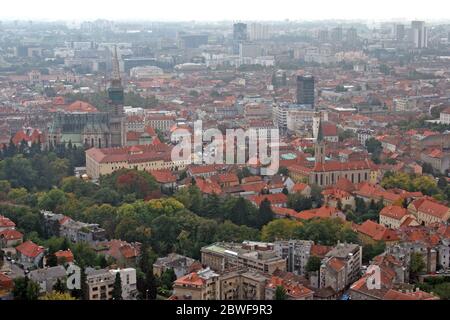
181, 265
128, 281
6, 224
294, 290
145, 157
255, 256
242, 285
10, 238
428, 211
30, 254
46, 278
100, 284
341, 266
201, 285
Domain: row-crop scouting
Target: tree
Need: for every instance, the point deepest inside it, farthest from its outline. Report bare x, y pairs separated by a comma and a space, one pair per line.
346, 134
51, 260
25, 289
280, 293
375, 148
167, 279
313, 264
57, 296
59, 286
283, 171
417, 265
52, 199
316, 195
265, 213
117, 289
443, 290
370, 251
298, 202
280, 229
151, 285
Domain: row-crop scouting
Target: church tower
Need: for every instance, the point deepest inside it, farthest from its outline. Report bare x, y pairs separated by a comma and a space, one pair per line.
319, 147
116, 101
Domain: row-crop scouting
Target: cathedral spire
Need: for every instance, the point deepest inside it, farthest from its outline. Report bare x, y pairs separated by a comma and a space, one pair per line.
115, 67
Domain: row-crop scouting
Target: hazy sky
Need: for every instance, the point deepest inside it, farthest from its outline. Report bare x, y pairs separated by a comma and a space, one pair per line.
208, 10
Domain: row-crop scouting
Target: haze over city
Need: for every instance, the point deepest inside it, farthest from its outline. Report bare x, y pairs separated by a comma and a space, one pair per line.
207, 10
231, 151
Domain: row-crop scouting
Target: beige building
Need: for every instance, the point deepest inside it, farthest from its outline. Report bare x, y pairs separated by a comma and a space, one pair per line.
144, 157
160, 122
394, 216
341, 266
100, 284
201, 285
428, 211
242, 285
255, 256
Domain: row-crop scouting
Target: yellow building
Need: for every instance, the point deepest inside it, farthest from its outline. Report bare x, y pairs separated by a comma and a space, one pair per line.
144, 157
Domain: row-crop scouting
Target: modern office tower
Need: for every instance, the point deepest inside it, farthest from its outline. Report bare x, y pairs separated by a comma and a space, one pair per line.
322, 35
400, 32
259, 31
239, 36
336, 34
240, 32
419, 34
352, 35
305, 90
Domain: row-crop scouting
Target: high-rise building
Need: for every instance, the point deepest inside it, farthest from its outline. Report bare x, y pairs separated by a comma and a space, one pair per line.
239, 36
400, 32
352, 35
305, 90
419, 34
322, 35
259, 31
240, 32
336, 34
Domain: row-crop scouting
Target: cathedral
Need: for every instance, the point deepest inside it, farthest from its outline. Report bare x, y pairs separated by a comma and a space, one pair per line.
327, 172
95, 129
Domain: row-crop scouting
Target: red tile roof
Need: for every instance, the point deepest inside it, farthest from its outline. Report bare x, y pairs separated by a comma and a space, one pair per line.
6, 222
277, 198
293, 289
192, 279
414, 295
299, 187
323, 212
336, 264
163, 176
81, 106
10, 235
30, 249
343, 166
394, 212
207, 186
431, 207
376, 231
67, 255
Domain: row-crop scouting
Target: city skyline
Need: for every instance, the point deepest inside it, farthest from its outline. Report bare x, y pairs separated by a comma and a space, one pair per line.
203, 10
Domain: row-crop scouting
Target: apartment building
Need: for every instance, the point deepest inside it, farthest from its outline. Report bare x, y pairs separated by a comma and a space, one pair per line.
255, 256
